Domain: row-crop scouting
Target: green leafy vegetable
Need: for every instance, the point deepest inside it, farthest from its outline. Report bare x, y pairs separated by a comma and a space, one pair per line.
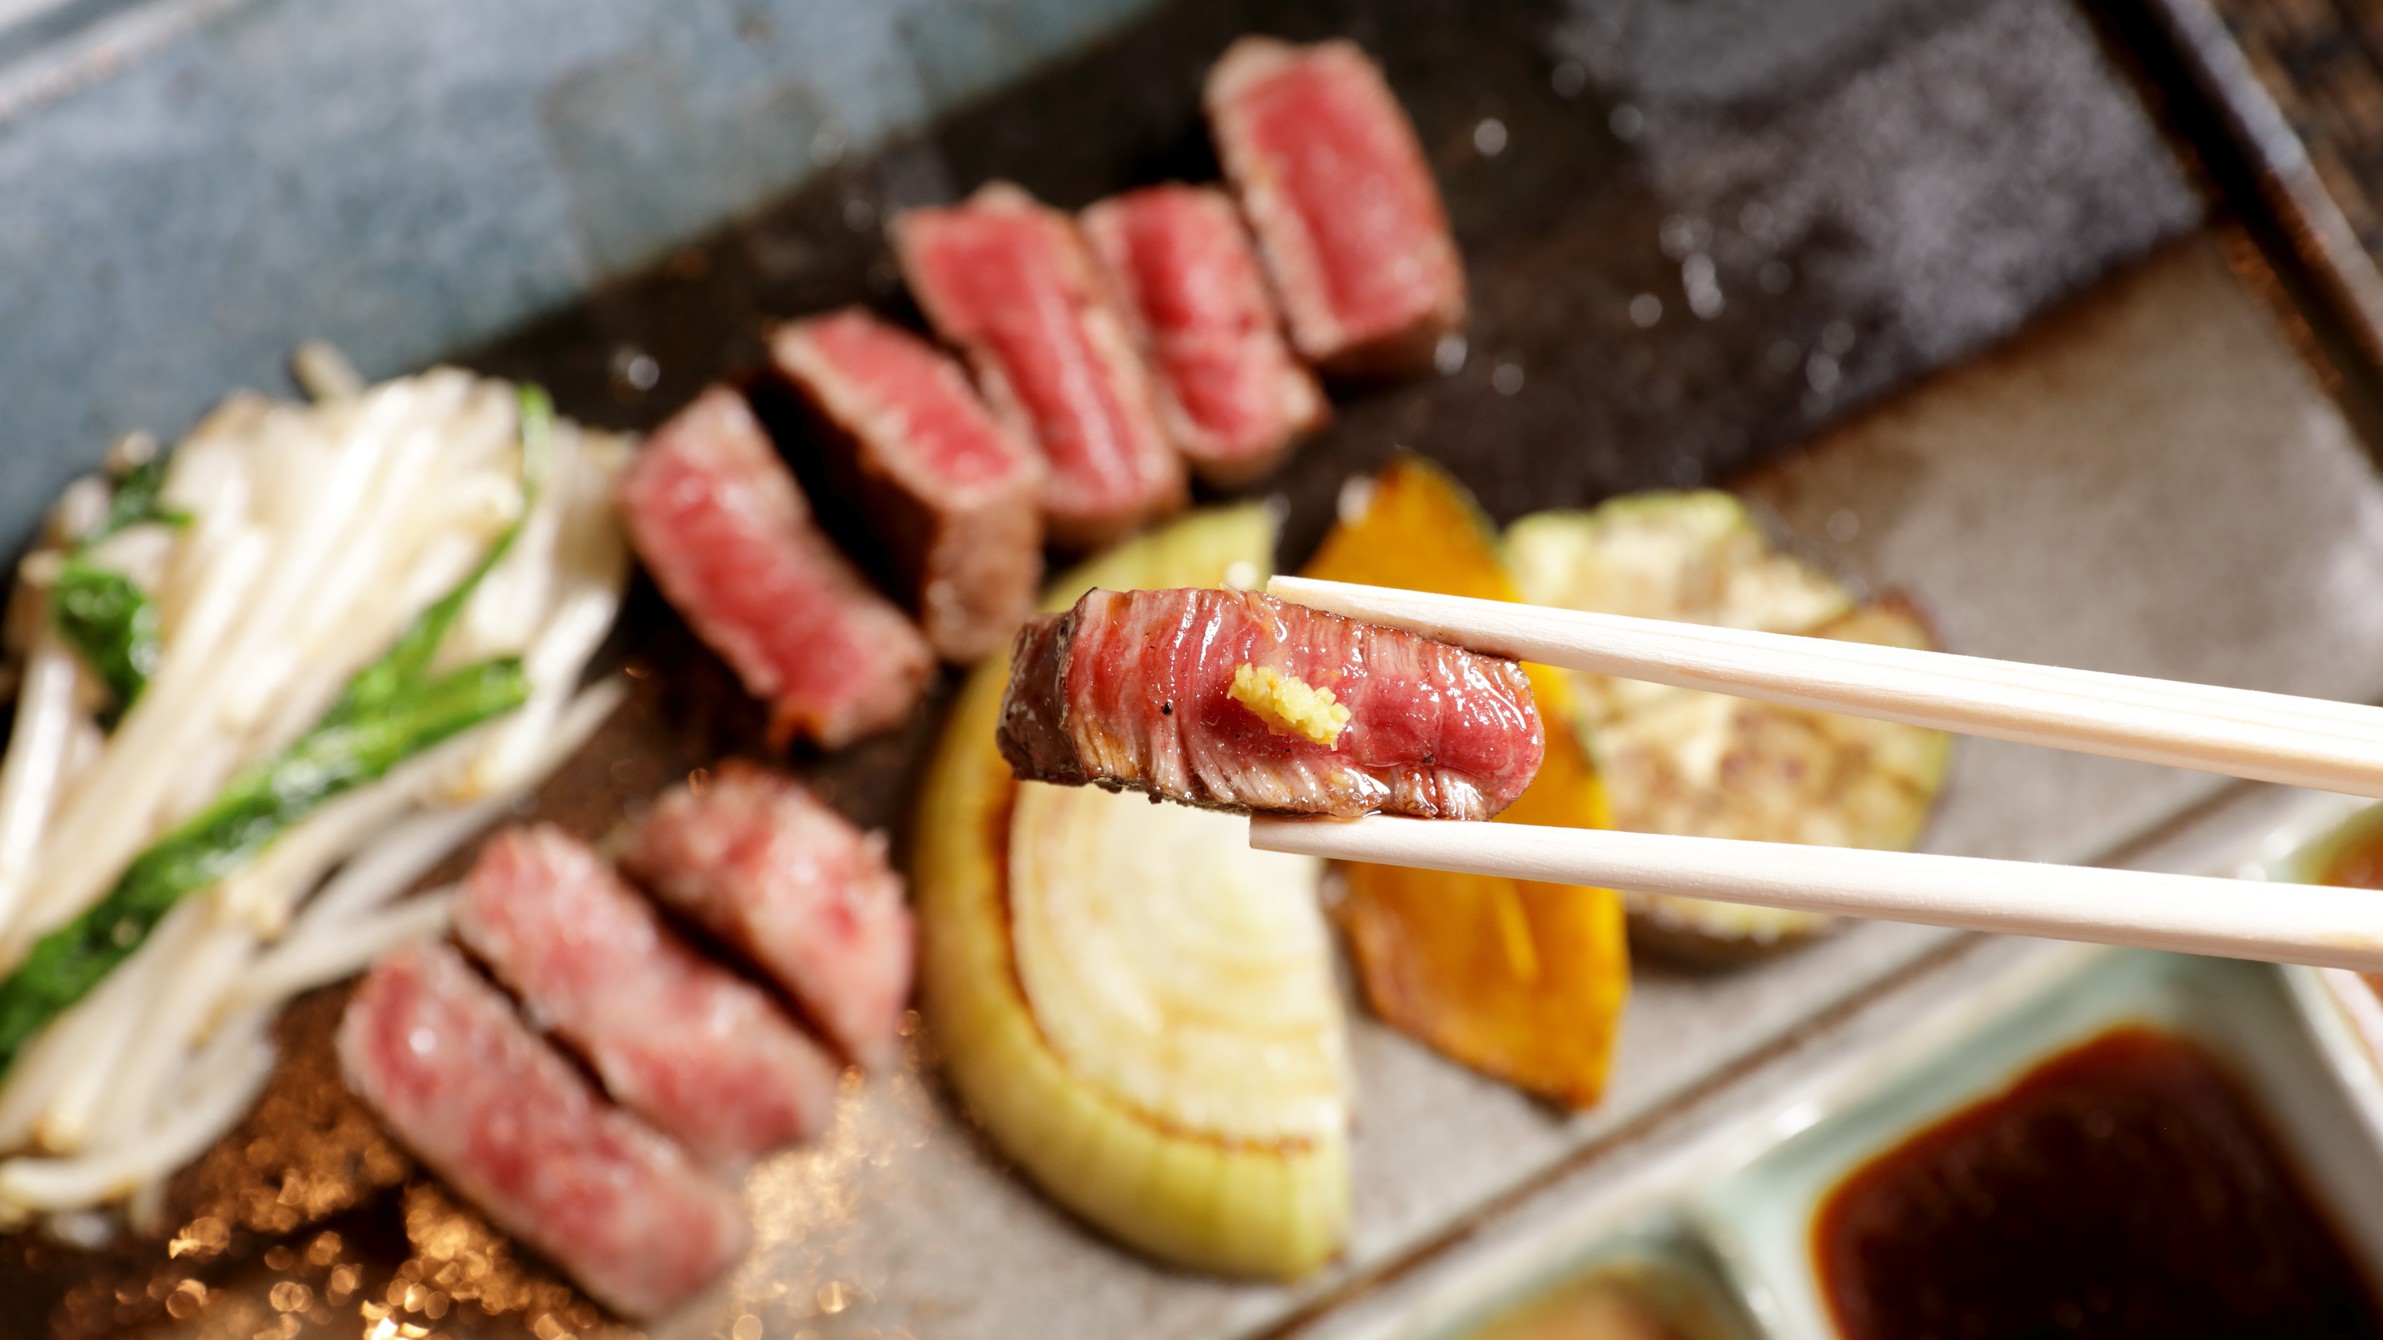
409, 658
110, 623
104, 617
390, 711
258, 807
135, 502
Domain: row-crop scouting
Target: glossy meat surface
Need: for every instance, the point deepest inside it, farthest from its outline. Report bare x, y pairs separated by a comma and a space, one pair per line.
1012, 284
952, 495
1342, 201
758, 861
721, 524
1181, 264
703, 1055
458, 1077
1132, 690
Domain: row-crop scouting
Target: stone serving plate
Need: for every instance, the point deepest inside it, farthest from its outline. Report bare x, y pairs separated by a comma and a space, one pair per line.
1979, 337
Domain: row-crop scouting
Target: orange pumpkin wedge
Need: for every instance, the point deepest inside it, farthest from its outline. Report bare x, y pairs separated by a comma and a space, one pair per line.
1519, 980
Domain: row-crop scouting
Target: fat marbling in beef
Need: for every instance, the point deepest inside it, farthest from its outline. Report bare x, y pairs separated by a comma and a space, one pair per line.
1137, 690
950, 493
757, 860
466, 1085
699, 1052
1180, 262
1013, 285
1342, 201
729, 538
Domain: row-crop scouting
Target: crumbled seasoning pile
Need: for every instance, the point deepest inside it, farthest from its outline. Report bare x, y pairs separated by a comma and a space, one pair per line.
1291, 705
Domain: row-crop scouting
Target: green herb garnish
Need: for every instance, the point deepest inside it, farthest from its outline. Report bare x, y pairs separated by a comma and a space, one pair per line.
110, 623
103, 616
135, 502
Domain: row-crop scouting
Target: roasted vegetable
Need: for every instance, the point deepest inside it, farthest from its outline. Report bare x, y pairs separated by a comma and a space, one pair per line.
1519, 980
1707, 765
1138, 1008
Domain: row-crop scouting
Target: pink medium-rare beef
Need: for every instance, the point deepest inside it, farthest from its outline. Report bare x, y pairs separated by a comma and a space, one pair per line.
1012, 284
1132, 690
489, 1106
703, 1055
1343, 204
758, 861
953, 495
729, 538
1182, 267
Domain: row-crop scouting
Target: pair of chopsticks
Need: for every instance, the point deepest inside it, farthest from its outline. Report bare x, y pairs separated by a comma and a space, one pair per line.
2268, 737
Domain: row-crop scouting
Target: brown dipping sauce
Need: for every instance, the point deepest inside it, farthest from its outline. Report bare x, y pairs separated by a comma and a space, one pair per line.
2126, 1187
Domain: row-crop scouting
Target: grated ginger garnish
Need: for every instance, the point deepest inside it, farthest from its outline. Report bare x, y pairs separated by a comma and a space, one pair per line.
1291, 705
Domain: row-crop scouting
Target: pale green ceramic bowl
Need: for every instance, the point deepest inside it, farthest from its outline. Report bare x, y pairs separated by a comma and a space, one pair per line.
1670, 1272
1730, 1221
1759, 1217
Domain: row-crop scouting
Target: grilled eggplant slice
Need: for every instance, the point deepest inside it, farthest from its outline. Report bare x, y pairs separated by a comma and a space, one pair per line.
1701, 764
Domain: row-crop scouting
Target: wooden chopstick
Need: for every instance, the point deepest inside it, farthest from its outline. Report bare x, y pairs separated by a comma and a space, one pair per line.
2279, 923
2269, 737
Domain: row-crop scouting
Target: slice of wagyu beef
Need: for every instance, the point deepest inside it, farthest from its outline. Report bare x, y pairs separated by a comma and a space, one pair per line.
1012, 285
1345, 210
1229, 389
464, 1083
764, 866
1234, 700
704, 1055
727, 534
951, 495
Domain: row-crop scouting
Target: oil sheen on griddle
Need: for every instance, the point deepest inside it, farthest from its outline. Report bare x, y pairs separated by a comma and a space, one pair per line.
2125, 1188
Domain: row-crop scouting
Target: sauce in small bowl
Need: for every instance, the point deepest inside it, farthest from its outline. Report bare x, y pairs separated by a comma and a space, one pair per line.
2124, 1187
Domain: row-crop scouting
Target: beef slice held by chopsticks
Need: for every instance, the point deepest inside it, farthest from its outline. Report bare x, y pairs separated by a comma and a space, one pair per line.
1232, 700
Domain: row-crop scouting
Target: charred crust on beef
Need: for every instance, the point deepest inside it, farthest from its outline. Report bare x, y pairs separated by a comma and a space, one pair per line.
1033, 732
